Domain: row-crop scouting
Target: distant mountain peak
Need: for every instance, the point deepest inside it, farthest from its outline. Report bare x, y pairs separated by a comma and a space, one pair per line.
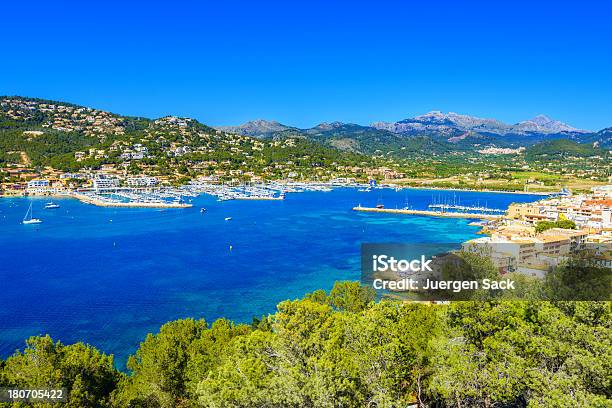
543, 123
434, 113
454, 123
263, 122
542, 118
256, 128
329, 125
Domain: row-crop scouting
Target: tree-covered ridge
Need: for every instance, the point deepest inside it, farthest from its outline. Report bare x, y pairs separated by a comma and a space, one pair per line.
342, 349
63, 116
561, 148
69, 137
372, 141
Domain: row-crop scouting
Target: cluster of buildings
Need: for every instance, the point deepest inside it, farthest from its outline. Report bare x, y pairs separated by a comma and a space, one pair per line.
58, 183
501, 150
176, 143
517, 243
379, 173
64, 117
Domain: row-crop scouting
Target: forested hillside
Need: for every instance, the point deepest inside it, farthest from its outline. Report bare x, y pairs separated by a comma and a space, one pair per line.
560, 148
341, 349
70, 137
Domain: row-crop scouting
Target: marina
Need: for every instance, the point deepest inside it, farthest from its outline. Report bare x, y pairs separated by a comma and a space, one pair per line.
273, 191
463, 208
181, 197
453, 204
102, 201
428, 213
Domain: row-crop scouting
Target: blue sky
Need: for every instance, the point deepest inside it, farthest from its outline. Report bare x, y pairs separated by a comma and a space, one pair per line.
302, 63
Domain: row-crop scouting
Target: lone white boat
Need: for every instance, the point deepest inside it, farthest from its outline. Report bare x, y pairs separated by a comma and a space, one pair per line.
228, 218
28, 219
51, 206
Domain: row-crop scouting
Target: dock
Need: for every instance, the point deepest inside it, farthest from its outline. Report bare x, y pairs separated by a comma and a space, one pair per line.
133, 204
262, 198
427, 213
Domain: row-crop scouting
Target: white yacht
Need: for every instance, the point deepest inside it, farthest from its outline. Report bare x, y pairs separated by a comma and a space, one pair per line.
28, 219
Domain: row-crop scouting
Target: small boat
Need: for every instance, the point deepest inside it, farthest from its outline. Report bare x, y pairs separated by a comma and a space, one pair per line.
228, 218
51, 206
28, 219
202, 210
379, 204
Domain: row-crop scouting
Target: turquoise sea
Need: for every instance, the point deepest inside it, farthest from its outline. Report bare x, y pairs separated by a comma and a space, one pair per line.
109, 276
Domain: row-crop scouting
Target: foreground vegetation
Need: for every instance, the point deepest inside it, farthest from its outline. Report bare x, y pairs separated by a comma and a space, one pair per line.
342, 349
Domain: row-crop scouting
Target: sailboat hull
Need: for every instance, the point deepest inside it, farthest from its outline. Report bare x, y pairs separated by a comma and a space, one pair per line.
32, 221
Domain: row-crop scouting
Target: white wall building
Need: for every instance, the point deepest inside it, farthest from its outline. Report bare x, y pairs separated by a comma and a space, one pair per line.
102, 182
142, 181
38, 183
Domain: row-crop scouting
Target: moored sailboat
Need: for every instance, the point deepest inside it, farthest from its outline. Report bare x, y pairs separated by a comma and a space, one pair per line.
29, 219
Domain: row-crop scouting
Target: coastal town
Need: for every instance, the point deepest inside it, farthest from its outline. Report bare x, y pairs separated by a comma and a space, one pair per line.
533, 238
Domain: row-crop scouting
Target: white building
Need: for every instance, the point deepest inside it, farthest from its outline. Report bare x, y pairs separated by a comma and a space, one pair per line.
40, 186
71, 176
38, 183
102, 182
142, 181
181, 150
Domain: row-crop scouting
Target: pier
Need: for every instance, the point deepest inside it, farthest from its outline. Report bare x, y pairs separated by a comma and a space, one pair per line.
131, 204
264, 198
445, 207
428, 213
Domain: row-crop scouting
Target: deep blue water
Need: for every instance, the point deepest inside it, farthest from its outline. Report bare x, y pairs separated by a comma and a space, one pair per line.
108, 276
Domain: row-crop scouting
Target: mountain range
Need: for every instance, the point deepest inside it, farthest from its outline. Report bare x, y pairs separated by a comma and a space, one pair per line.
43, 128
452, 122
435, 130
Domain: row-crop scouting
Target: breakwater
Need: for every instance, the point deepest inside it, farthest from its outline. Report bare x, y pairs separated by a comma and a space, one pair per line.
131, 204
428, 213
